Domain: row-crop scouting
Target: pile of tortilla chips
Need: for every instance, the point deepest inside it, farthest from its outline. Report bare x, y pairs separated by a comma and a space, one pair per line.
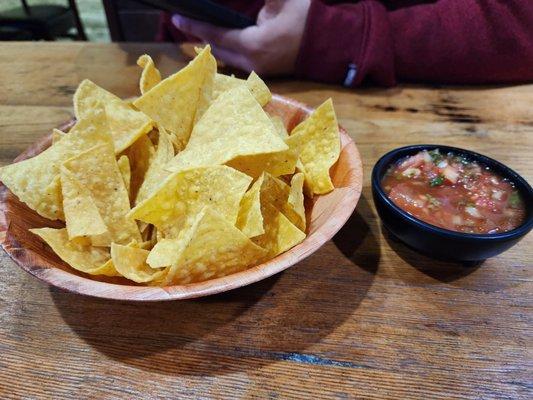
191, 181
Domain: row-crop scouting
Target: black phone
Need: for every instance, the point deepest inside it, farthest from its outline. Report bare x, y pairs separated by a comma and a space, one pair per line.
204, 10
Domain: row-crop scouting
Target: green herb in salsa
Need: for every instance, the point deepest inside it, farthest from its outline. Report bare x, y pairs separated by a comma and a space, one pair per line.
435, 155
514, 200
437, 181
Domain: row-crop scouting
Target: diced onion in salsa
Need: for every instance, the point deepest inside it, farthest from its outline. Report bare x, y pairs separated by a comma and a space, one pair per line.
452, 192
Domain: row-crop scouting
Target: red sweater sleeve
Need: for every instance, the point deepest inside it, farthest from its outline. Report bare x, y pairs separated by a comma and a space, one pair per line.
447, 41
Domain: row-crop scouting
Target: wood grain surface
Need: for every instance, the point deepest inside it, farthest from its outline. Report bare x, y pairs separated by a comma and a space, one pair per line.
364, 317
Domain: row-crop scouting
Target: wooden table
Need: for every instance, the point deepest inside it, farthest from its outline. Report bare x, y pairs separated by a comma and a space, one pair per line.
364, 317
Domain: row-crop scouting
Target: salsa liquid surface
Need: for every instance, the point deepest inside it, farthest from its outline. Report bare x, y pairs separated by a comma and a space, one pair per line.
451, 192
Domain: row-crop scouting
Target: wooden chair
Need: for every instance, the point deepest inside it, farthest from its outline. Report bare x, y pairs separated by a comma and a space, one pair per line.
41, 22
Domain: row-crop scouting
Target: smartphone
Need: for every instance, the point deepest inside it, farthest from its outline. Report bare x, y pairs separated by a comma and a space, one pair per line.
204, 10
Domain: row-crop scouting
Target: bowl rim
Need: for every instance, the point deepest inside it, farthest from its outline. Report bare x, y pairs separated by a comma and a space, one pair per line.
522, 185
80, 283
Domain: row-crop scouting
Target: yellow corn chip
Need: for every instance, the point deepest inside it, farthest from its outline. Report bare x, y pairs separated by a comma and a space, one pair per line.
280, 126
173, 102
183, 194
223, 83
280, 234
274, 191
90, 97
266, 190
156, 173
81, 214
130, 262
300, 167
52, 193
206, 90
88, 259
166, 251
97, 171
250, 218
211, 248
257, 87
125, 124
124, 168
57, 135
317, 141
109, 112
276, 164
140, 154
295, 209
234, 125
36, 181
150, 75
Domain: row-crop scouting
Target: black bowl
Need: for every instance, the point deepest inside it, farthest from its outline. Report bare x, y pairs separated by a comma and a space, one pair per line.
443, 243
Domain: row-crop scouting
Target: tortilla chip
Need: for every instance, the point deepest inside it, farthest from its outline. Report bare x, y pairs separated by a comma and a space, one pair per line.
81, 214
317, 141
206, 90
53, 193
257, 87
36, 181
280, 234
165, 252
295, 209
140, 154
88, 259
266, 190
228, 250
97, 171
90, 97
124, 123
156, 173
57, 135
130, 262
250, 218
280, 126
173, 102
235, 125
150, 75
274, 191
223, 83
124, 167
276, 164
183, 194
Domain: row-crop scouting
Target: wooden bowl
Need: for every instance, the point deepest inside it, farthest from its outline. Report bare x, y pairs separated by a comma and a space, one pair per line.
325, 214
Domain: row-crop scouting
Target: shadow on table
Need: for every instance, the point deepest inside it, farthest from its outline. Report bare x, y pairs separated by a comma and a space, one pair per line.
443, 271
272, 320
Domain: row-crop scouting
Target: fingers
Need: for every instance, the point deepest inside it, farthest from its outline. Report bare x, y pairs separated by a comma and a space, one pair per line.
233, 58
223, 37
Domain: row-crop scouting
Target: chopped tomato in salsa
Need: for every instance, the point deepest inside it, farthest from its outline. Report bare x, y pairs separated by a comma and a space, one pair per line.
451, 192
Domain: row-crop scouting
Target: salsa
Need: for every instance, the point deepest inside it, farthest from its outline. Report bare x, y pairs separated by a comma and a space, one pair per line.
452, 192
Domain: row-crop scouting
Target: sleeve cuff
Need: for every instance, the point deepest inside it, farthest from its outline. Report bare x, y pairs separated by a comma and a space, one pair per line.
346, 44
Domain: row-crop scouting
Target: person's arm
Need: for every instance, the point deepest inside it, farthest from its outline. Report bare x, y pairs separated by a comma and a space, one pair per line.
447, 41
464, 41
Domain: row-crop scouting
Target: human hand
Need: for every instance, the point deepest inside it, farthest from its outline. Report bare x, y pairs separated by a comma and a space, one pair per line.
268, 48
